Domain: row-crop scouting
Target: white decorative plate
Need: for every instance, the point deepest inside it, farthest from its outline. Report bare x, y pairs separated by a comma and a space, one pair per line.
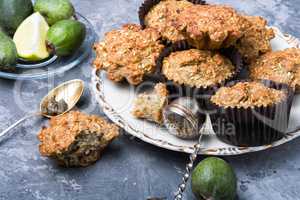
116, 101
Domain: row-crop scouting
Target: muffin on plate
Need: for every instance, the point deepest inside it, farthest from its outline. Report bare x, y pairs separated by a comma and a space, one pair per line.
256, 40
129, 53
150, 105
161, 14
247, 94
211, 26
197, 73
280, 66
76, 139
197, 68
251, 113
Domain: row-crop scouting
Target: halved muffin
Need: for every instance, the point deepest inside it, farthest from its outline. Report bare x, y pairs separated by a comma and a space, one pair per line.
76, 139
280, 66
162, 15
129, 53
256, 40
251, 113
211, 26
150, 105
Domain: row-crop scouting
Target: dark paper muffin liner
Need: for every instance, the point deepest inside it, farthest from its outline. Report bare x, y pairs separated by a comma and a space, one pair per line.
147, 5
202, 94
257, 126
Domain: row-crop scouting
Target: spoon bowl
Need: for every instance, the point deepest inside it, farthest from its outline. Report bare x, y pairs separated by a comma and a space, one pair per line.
69, 91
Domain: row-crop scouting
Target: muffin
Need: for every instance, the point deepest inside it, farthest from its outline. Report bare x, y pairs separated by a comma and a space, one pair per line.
149, 106
256, 40
161, 16
280, 66
76, 139
129, 53
247, 95
197, 68
211, 26
197, 73
251, 113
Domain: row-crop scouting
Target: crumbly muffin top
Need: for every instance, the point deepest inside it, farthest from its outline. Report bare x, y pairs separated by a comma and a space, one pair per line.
162, 15
212, 26
197, 68
63, 130
256, 40
128, 53
150, 105
279, 66
247, 94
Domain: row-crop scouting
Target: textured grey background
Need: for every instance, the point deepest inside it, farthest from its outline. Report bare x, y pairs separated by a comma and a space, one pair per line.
131, 169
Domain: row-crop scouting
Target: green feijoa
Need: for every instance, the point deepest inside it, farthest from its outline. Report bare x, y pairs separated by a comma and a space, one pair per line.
13, 13
66, 36
54, 10
2, 30
214, 179
8, 52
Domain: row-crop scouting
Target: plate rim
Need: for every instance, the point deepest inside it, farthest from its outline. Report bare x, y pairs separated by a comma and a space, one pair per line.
97, 87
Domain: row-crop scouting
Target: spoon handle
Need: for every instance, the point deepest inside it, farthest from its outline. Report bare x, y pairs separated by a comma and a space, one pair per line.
188, 169
6, 133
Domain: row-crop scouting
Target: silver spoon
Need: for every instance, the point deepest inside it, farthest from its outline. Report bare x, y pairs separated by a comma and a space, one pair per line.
182, 118
70, 92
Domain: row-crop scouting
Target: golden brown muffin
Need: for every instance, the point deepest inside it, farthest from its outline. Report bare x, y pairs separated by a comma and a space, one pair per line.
129, 53
150, 105
256, 40
162, 15
279, 66
197, 68
76, 139
247, 94
211, 26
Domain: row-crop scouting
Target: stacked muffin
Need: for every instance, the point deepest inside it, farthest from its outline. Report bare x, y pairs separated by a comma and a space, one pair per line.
197, 48
280, 66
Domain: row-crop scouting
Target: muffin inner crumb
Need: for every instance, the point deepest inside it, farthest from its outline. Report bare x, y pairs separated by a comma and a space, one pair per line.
150, 105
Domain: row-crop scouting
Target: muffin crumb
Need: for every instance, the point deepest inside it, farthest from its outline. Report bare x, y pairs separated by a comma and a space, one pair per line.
150, 105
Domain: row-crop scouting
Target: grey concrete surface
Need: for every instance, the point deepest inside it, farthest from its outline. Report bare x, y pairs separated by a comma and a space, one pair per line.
131, 169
